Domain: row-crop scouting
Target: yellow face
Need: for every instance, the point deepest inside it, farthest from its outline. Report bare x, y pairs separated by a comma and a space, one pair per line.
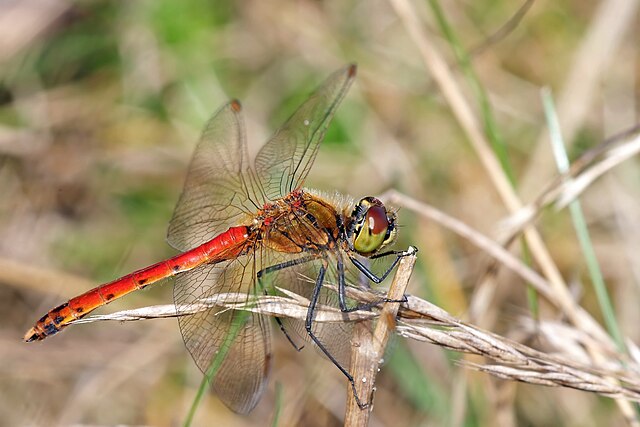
373, 227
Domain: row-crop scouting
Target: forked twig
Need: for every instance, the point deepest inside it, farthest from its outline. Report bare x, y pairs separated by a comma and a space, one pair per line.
583, 172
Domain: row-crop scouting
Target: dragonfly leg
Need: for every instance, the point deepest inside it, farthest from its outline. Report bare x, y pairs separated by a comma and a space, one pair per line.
308, 325
286, 264
342, 293
277, 267
371, 276
286, 334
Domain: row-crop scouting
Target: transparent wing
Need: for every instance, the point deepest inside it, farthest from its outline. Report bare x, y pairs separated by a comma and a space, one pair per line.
216, 193
336, 337
313, 230
301, 278
240, 380
284, 161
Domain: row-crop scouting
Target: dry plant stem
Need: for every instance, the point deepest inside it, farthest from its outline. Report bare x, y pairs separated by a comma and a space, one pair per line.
517, 362
583, 172
471, 126
491, 247
33, 21
592, 328
469, 122
420, 320
362, 355
611, 22
25, 276
277, 306
495, 250
368, 349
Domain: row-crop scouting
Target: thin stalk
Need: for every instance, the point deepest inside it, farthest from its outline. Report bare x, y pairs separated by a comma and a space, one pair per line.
368, 348
242, 317
580, 225
464, 61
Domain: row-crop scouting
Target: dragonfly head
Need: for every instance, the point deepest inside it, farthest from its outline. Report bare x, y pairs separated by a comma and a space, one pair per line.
371, 226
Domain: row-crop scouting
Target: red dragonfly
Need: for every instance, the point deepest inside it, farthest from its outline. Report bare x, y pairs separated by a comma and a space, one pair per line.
245, 229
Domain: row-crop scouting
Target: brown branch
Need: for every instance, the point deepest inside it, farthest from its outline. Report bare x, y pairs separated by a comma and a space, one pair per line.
367, 349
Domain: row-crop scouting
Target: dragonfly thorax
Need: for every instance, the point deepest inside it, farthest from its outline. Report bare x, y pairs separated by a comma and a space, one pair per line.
299, 222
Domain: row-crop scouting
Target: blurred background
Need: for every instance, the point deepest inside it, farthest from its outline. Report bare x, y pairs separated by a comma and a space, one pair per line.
102, 102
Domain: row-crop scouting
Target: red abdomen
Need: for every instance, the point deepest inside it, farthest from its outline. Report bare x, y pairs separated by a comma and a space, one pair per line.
225, 246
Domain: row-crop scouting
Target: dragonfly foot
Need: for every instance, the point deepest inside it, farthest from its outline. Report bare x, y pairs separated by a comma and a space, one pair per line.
361, 405
412, 250
401, 300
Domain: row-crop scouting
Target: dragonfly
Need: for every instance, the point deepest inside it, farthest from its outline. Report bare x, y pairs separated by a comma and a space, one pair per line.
248, 228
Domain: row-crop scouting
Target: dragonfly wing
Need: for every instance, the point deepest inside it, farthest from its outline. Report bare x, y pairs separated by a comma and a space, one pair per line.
284, 161
244, 336
301, 279
216, 193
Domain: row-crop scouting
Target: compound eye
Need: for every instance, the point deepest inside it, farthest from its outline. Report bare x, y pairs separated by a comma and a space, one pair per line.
373, 231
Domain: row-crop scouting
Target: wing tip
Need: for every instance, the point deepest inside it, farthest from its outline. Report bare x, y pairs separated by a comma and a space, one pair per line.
352, 69
235, 105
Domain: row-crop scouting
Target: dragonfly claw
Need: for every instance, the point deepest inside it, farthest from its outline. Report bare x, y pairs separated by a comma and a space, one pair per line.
412, 250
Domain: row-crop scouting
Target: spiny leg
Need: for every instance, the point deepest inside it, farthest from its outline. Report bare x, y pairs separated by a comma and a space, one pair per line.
277, 267
371, 276
308, 325
342, 293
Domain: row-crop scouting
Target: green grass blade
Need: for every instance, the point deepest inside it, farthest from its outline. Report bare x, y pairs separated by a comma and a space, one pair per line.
464, 61
580, 225
490, 126
278, 405
423, 392
236, 327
